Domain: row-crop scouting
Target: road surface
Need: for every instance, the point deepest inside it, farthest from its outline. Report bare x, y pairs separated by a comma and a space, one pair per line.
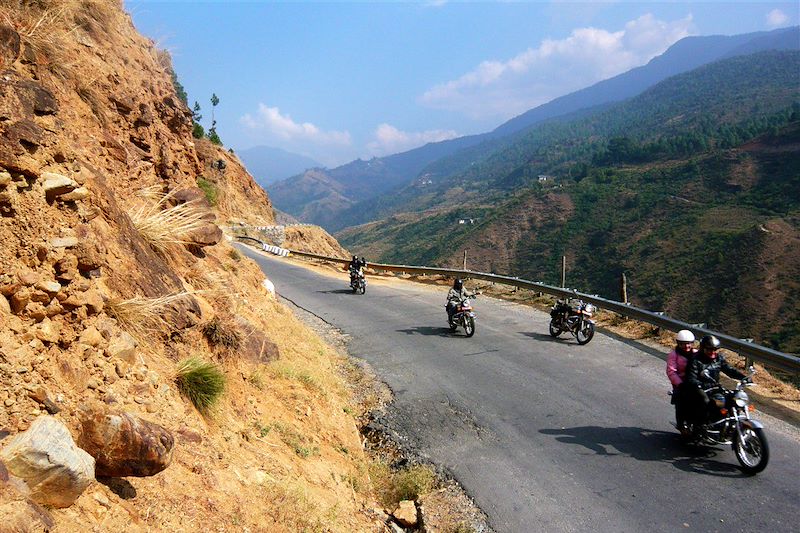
544, 434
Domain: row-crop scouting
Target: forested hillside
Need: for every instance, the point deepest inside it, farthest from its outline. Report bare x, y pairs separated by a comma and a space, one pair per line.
691, 188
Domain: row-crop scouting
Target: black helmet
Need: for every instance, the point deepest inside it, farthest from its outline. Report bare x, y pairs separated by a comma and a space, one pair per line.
457, 284
709, 342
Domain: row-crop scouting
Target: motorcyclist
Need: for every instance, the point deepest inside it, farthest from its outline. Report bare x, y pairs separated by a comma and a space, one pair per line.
455, 295
677, 361
703, 373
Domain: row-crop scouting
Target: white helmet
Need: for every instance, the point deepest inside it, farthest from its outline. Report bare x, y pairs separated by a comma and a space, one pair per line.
684, 335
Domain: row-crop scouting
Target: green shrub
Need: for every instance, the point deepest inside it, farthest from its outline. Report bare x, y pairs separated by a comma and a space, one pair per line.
209, 189
201, 382
414, 481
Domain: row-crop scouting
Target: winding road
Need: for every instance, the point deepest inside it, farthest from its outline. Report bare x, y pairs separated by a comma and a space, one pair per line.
544, 434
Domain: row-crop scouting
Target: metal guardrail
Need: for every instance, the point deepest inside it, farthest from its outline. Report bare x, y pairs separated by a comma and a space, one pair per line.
767, 356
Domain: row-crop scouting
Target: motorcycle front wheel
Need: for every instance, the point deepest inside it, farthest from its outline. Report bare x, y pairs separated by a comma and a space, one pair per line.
555, 331
585, 332
469, 326
752, 450
362, 288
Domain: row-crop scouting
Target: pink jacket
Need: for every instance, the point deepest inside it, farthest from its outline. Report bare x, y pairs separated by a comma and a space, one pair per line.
676, 367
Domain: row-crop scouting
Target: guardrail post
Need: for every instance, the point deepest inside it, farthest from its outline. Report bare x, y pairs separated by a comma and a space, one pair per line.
623, 289
465, 259
563, 271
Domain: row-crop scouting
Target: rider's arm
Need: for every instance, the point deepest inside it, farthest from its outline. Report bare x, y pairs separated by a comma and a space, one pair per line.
672, 369
729, 370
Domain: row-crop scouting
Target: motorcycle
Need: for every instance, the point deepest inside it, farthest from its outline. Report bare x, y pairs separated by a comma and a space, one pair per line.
358, 282
463, 316
733, 426
575, 318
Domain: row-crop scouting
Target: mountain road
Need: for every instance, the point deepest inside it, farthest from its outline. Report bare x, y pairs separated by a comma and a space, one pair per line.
544, 434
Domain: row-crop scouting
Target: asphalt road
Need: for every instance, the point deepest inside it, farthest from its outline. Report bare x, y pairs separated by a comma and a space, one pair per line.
544, 434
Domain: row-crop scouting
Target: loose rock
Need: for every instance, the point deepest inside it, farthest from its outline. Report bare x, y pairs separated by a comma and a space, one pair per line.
406, 513
56, 185
64, 242
123, 346
91, 337
52, 469
125, 445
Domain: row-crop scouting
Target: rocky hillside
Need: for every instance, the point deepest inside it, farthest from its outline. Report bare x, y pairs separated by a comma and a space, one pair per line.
128, 325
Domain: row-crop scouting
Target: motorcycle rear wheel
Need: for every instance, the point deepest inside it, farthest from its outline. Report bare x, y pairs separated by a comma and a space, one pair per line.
469, 326
752, 450
452, 325
554, 330
585, 333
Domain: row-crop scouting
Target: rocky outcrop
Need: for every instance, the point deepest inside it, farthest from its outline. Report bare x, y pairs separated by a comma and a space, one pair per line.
124, 445
255, 346
45, 464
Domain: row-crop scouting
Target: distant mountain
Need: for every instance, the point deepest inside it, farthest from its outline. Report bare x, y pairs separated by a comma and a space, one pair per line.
365, 188
269, 165
685, 55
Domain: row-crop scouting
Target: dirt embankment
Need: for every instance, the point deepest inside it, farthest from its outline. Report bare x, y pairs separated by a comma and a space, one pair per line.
113, 272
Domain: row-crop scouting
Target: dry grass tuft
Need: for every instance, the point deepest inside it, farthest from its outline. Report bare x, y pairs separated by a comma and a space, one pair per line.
143, 317
201, 382
161, 226
222, 334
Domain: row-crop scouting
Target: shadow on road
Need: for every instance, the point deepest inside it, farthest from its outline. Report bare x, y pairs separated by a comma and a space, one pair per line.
545, 336
647, 445
338, 291
427, 330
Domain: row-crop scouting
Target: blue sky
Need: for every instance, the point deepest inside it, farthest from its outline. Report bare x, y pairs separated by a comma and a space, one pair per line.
339, 80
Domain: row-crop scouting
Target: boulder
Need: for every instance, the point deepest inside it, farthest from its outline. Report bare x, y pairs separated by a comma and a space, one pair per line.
406, 513
55, 185
94, 301
81, 193
48, 331
67, 268
64, 242
46, 464
5, 178
91, 337
123, 444
20, 299
206, 235
123, 347
50, 287
8, 206
5, 308
9, 46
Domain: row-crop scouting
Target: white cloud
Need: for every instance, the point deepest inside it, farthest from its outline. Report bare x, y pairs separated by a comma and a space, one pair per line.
274, 126
776, 18
502, 89
390, 140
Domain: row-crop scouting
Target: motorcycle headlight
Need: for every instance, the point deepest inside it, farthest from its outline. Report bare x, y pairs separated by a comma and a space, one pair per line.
590, 308
741, 399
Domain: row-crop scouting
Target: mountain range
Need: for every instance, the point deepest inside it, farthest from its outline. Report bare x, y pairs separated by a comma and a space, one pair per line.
268, 164
348, 195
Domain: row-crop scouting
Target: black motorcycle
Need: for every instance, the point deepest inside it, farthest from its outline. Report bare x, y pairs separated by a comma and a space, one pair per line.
733, 426
358, 282
574, 316
463, 316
